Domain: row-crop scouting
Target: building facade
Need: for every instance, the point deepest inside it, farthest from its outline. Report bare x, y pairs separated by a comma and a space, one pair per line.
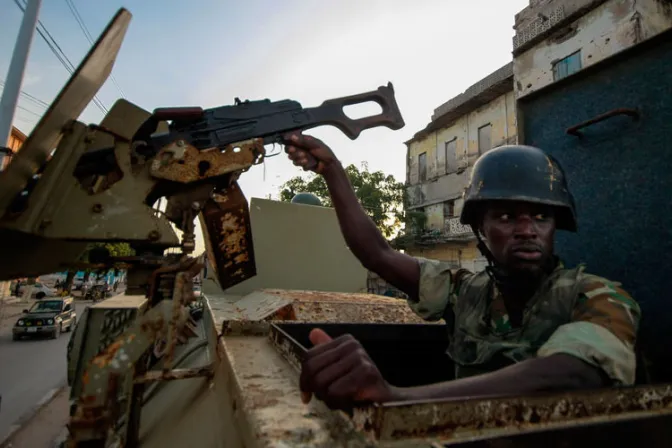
16, 139
439, 161
556, 38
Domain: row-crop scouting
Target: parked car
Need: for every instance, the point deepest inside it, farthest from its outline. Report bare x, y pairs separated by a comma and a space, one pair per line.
50, 280
40, 291
46, 317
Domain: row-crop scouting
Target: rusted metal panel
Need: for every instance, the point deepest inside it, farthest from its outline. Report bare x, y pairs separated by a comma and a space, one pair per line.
228, 236
267, 400
182, 162
457, 421
318, 306
315, 306
175, 374
255, 306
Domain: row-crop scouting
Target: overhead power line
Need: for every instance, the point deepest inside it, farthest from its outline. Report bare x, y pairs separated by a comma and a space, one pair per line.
60, 54
29, 97
87, 34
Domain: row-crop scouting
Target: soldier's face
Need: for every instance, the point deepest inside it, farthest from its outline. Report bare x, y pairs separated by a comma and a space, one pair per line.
519, 234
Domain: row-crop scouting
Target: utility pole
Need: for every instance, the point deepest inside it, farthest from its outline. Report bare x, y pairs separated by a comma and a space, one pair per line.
17, 68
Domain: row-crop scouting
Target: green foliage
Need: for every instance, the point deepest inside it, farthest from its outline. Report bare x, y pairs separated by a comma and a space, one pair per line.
380, 194
116, 249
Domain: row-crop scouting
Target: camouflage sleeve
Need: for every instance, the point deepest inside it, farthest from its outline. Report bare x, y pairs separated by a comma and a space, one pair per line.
603, 330
437, 290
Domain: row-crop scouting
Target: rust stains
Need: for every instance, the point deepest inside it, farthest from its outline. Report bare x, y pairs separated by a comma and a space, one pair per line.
182, 162
232, 238
228, 236
488, 417
551, 176
176, 374
318, 306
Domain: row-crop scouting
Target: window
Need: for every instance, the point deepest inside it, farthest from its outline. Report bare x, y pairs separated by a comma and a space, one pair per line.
451, 156
67, 308
484, 139
567, 66
448, 209
422, 167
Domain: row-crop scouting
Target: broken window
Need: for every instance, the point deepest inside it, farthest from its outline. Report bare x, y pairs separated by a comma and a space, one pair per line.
484, 138
567, 66
451, 156
422, 167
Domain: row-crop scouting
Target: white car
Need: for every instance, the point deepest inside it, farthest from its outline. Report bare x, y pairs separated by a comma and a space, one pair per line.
50, 280
40, 291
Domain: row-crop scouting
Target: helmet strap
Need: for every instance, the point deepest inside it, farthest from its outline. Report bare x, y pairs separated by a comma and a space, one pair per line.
495, 274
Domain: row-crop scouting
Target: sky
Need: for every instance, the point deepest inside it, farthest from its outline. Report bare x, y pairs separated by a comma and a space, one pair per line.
207, 52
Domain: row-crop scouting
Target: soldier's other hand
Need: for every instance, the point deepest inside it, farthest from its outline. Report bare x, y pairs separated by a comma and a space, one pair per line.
340, 373
308, 152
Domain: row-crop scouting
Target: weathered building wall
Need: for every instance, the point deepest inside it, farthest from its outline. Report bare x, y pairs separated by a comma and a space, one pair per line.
16, 139
549, 31
445, 181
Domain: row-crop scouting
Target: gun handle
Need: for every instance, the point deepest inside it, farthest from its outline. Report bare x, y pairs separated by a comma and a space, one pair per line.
331, 112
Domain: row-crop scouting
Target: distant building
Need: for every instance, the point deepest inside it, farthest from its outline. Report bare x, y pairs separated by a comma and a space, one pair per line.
16, 139
439, 161
557, 38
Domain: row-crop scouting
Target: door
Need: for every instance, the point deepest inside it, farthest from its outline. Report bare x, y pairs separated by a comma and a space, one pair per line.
67, 315
620, 172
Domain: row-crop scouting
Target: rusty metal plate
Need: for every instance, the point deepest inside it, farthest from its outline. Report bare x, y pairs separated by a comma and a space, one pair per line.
320, 306
255, 306
227, 232
314, 306
182, 162
459, 421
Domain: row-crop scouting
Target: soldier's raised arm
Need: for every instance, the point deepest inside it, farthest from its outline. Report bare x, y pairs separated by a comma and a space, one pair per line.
360, 232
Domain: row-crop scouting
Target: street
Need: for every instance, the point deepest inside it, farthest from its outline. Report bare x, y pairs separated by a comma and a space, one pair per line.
29, 370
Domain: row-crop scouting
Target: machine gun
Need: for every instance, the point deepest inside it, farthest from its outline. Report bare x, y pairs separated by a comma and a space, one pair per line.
105, 183
217, 128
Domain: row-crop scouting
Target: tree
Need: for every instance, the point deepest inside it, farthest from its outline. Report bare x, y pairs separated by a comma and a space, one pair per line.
381, 196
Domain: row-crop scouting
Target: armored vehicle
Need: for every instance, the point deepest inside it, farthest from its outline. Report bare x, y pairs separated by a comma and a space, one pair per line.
160, 367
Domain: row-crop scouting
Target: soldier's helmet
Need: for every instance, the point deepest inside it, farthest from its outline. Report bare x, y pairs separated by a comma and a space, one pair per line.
306, 198
519, 173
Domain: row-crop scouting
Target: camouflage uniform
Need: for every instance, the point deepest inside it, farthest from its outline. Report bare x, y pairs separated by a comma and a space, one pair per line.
573, 312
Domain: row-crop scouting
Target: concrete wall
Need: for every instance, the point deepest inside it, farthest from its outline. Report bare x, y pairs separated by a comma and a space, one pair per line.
601, 32
447, 183
300, 246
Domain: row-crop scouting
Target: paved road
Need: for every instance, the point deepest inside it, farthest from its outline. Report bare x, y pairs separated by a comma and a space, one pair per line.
29, 370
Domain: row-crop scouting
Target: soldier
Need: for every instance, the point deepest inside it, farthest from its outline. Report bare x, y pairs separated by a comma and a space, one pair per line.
525, 324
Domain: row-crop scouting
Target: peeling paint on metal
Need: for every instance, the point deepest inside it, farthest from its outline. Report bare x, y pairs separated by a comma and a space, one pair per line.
188, 164
469, 419
228, 236
266, 392
270, 305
